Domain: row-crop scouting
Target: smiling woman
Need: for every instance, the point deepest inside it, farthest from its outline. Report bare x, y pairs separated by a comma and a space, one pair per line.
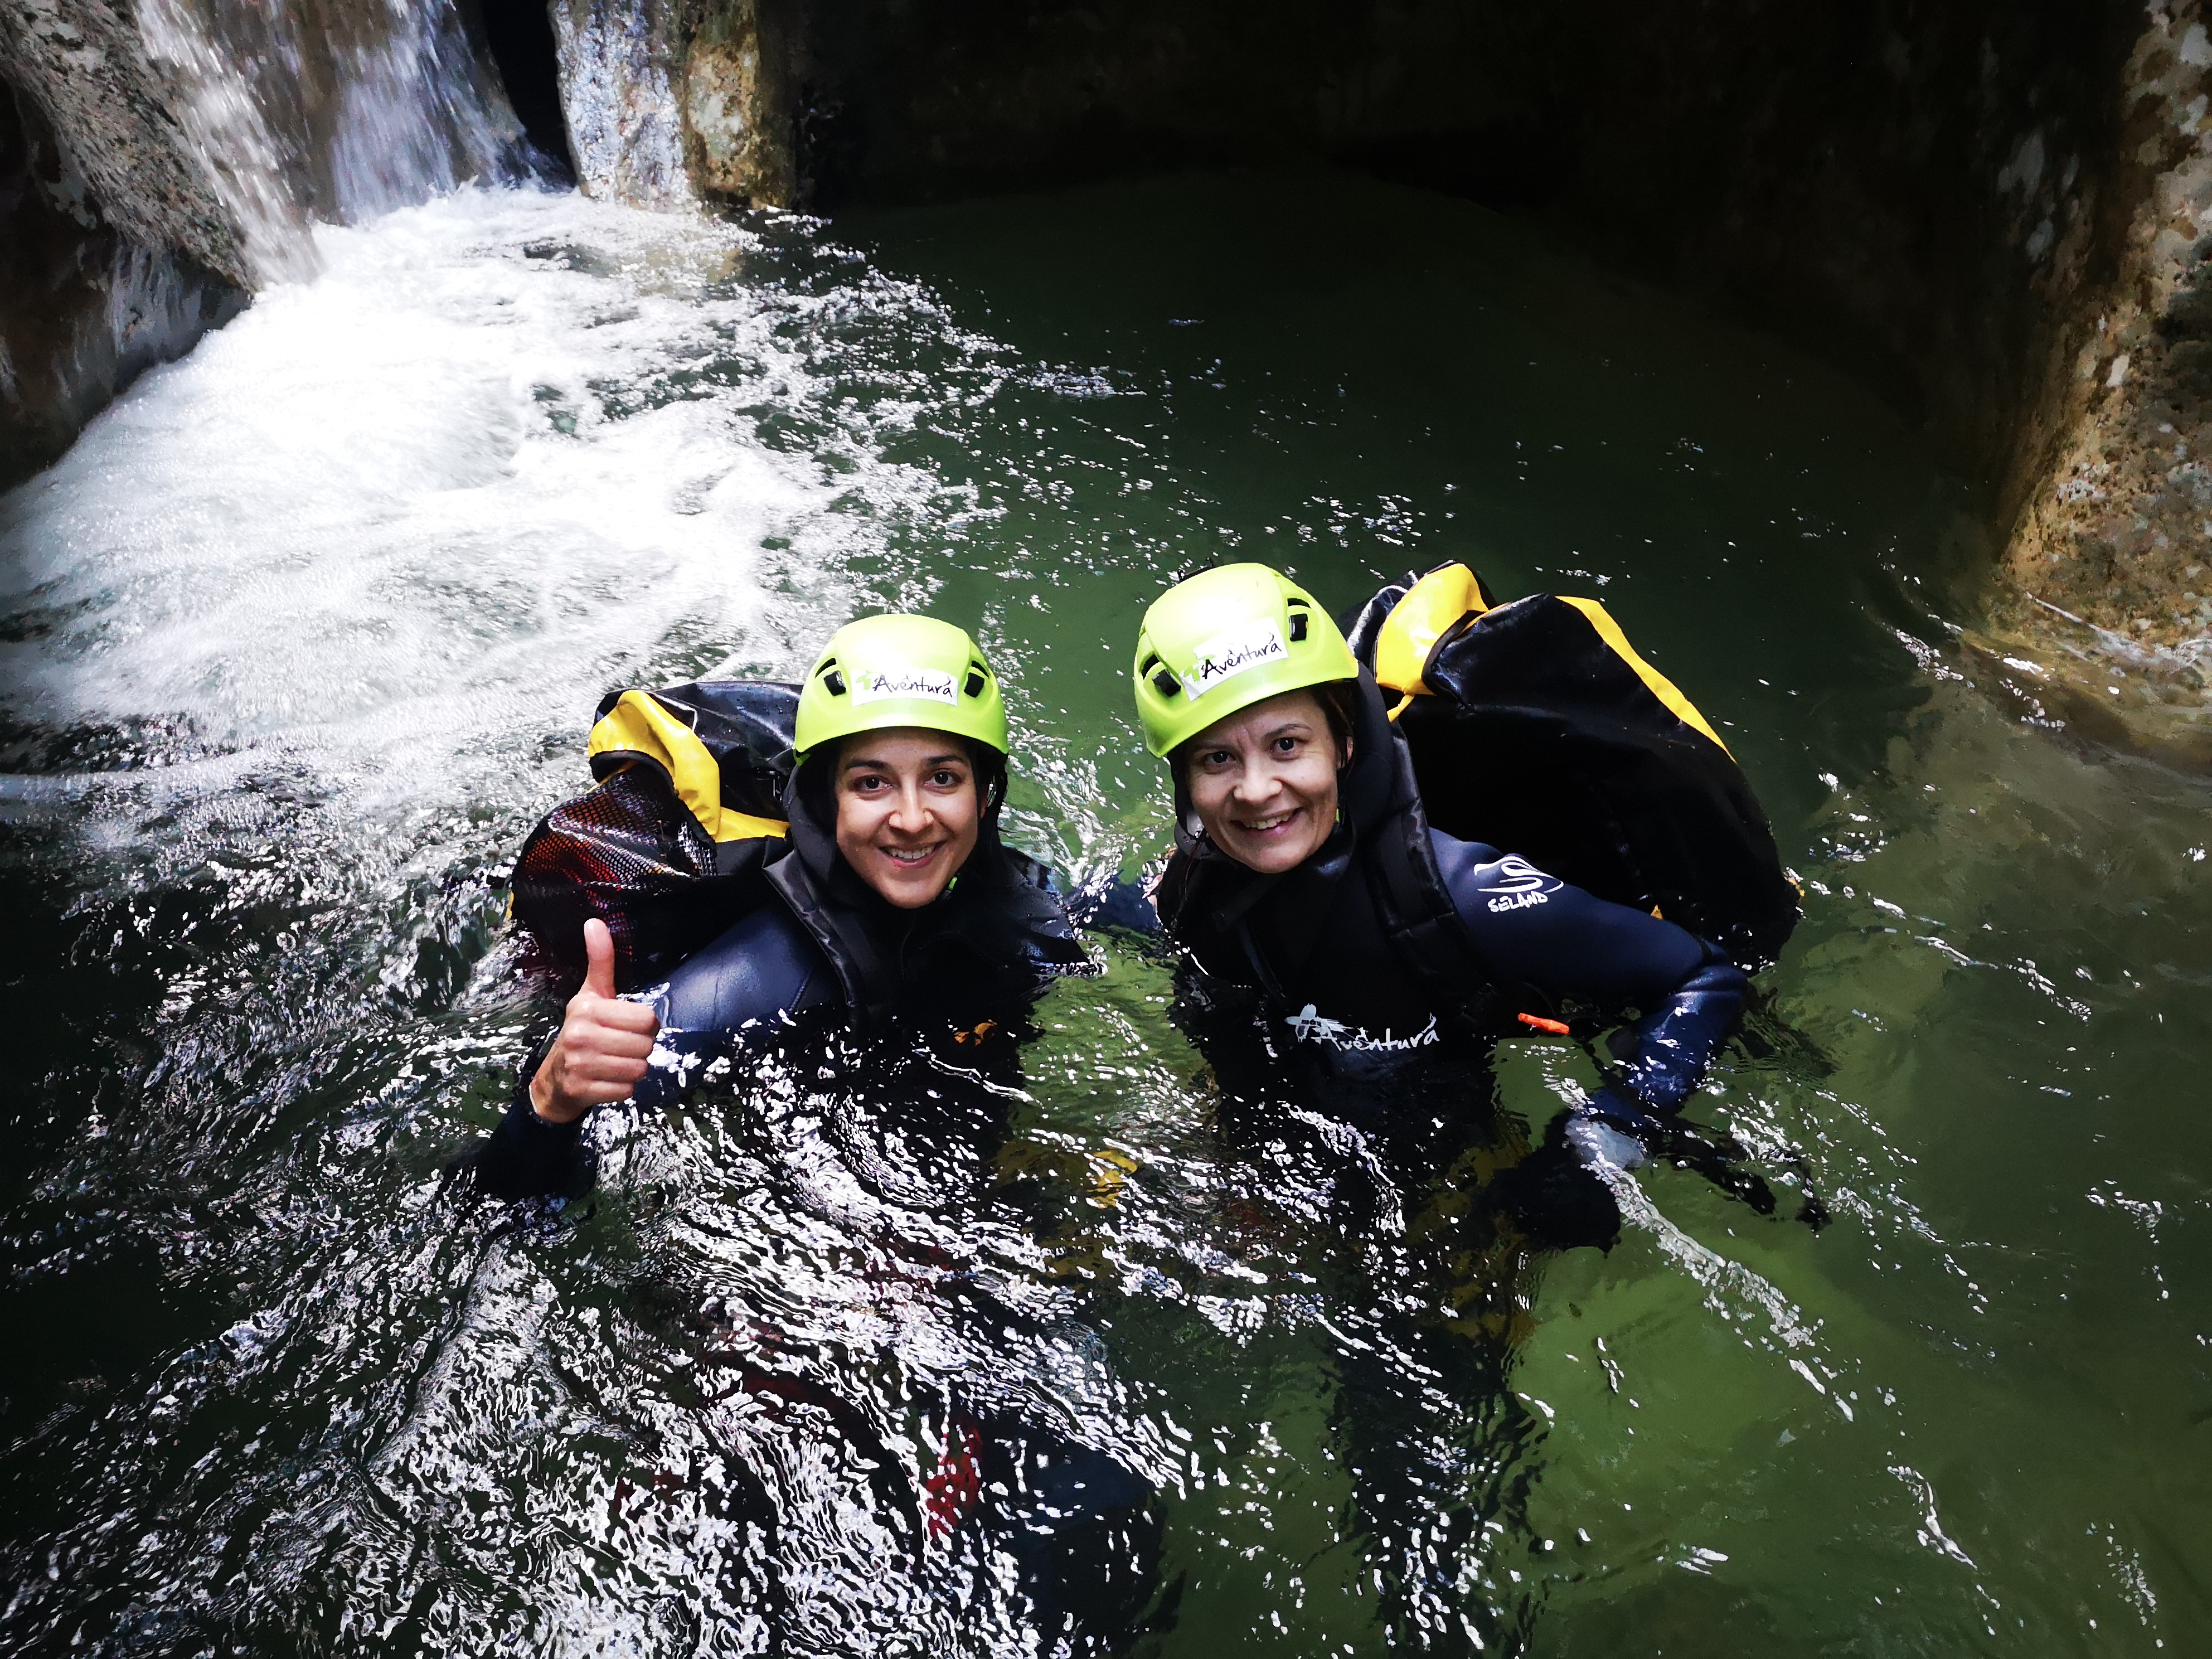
907, 812
1263, 782
867, 917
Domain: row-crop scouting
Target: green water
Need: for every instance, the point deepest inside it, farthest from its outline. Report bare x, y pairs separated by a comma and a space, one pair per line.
268, 1388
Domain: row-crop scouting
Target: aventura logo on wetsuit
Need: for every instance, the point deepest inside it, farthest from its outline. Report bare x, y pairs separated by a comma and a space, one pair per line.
903, 683
1308, 1026
1516, 884
1226, 654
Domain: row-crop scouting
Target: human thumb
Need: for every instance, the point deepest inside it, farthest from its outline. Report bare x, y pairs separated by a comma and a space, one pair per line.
598, 958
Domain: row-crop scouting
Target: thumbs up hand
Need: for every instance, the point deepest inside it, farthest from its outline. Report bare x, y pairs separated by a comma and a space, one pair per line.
600, 1055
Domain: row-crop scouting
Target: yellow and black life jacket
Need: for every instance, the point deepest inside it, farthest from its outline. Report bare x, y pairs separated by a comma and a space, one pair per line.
1534, 727
670, 849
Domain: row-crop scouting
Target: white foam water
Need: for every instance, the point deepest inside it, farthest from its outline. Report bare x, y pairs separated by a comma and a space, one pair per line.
402, 522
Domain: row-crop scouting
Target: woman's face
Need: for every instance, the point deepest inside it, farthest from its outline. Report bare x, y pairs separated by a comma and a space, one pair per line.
908, 811
1263, 782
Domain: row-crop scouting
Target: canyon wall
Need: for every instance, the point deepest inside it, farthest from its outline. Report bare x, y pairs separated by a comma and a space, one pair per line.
161, 160
1988, 210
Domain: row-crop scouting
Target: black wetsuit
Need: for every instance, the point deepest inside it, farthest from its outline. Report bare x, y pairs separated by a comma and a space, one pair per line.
911, 1014
826, 952
1322, 958
1358, 1096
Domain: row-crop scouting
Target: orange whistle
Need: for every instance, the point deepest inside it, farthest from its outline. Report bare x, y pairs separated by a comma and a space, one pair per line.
1556, 1027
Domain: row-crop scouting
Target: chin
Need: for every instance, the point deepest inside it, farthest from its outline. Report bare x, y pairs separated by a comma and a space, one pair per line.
1271, 855
1270, 858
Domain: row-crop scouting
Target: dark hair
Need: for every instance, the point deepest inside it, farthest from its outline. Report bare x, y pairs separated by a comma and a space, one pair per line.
1335, 698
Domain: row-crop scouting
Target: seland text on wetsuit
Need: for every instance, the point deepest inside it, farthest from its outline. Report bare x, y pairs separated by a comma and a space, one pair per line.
1395, 940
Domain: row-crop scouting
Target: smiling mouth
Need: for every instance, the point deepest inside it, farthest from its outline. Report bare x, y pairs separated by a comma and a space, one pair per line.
909, 857
1268, 826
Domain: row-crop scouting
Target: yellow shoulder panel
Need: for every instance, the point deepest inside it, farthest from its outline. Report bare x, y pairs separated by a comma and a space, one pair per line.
1662, 688
1417, 621
638, 725
743, 826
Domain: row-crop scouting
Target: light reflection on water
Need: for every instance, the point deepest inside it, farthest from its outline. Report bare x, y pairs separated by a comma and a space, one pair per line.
305, 633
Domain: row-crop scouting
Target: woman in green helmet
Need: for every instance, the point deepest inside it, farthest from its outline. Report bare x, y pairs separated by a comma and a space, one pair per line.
1308, 886
894, 915
893, 898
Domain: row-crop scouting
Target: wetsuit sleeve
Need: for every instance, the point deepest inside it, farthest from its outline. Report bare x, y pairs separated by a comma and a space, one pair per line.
763, 971
1111, 902
528, 1158
1534, 929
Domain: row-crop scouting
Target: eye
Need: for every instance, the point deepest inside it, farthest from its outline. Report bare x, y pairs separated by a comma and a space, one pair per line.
868, 783
945, 778
1289, 745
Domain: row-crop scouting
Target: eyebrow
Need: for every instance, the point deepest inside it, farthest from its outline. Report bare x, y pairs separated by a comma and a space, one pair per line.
862, 761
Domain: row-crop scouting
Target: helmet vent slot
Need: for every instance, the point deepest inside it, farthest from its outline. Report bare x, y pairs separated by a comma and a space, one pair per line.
1166, 684
978, 678
1297, 615
834, 683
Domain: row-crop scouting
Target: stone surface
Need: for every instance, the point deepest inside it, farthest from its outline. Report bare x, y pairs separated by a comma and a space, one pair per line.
83, 63
161, 159
671, 102
737, 110
2110, 561
83, 308
621, 71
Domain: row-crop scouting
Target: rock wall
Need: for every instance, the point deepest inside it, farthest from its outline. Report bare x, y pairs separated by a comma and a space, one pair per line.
84, 308
162, 159
1919, 190
673, 102
1987, 208
2103, 616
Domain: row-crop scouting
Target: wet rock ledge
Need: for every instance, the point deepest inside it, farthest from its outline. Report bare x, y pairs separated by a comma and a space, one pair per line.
1990, 210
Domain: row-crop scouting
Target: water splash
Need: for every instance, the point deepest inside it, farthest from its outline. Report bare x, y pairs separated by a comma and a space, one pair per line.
334, 113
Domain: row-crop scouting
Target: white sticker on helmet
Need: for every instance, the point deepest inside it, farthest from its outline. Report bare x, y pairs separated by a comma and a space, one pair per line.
1226, 656
883, 684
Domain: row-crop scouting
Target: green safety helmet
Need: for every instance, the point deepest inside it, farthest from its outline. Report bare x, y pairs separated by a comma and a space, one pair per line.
1225, 640
899, 671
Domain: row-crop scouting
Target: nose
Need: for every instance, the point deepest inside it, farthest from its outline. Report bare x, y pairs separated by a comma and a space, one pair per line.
1255, 779
911, 815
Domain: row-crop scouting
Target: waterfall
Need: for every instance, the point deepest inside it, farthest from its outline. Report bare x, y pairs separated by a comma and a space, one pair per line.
417, 116
227, 133
338, 110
